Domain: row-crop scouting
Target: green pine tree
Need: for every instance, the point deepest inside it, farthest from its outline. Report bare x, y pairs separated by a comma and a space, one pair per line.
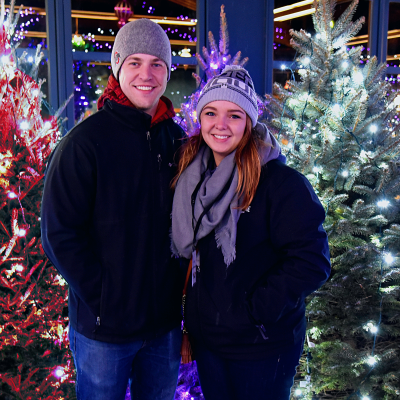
337, 126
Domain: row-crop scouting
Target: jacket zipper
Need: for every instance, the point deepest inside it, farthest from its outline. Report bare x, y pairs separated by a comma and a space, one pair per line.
149, 139
159, 159
98, 320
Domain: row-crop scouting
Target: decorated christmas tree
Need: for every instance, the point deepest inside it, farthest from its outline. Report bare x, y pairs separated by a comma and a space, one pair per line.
339, 126
34, 363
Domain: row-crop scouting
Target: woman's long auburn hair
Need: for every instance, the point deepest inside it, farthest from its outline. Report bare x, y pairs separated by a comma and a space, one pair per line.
247, 159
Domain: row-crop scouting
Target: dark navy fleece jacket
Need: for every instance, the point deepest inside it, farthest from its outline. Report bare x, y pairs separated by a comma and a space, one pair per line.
256, 306
105, 224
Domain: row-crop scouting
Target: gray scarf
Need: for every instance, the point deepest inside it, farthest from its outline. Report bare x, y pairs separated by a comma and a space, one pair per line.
223, 215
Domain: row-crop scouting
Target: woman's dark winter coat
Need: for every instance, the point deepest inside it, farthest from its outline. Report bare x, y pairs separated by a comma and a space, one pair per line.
256, 305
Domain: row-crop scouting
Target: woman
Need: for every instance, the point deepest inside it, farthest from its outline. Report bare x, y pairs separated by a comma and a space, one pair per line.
253, 228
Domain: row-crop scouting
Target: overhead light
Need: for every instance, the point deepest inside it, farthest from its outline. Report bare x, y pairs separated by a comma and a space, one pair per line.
291, 6
295, 15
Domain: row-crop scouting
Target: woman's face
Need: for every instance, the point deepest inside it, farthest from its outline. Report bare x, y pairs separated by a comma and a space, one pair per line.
222, 125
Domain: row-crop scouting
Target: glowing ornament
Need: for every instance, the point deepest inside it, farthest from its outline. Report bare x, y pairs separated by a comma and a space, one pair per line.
123, 11
78, 41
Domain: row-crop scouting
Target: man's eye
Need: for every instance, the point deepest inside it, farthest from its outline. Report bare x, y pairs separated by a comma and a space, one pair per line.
157, 65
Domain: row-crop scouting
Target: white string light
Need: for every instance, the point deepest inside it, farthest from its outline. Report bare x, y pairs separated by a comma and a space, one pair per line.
388, 258
371, 360
383, 203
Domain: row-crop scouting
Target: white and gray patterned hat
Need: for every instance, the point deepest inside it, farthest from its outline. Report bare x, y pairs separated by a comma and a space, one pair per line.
234, 84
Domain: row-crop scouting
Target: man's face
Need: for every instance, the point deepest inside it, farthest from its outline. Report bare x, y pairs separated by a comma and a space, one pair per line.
143, 79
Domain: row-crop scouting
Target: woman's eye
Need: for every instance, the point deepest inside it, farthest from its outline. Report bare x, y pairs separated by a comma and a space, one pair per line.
210, 113
234, 116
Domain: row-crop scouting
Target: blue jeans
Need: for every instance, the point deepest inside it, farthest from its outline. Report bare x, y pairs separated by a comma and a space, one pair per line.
267, 379
103, 370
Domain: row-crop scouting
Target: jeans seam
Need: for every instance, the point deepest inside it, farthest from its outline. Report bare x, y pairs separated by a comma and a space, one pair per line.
76, 366
277, 367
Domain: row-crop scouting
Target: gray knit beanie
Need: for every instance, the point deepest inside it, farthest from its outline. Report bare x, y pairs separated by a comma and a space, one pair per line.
234, 84
142, 36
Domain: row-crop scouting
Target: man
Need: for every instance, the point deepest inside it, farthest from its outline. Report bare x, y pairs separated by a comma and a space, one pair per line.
105, 226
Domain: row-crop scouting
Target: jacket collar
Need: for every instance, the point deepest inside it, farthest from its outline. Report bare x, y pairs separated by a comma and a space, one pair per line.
130, 117
114, 93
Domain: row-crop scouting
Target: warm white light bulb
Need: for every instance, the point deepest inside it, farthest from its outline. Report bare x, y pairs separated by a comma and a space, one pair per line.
283, 66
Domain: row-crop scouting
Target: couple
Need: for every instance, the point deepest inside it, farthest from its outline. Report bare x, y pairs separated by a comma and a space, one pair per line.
251, 225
